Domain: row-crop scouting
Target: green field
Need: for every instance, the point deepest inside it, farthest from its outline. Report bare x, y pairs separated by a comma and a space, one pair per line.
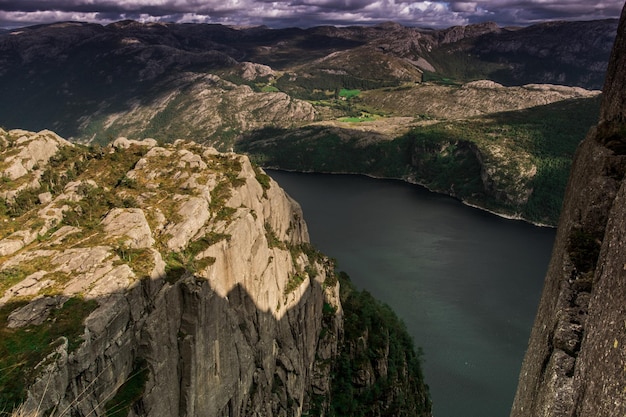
348, 94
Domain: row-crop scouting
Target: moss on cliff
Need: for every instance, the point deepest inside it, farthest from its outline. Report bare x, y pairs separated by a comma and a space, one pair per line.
24, 347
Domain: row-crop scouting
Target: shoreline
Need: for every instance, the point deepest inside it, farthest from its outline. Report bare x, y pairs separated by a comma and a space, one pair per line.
413, 182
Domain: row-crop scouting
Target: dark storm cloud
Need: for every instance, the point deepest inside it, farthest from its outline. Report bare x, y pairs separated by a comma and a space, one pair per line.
303, 13
524, 12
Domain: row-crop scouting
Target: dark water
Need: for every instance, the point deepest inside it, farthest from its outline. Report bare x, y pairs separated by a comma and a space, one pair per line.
465, 282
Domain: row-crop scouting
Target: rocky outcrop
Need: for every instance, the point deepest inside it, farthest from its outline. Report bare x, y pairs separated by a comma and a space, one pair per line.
172, 281
199, 276
458, 33
575, 361
546, 53
200, 105
472, 99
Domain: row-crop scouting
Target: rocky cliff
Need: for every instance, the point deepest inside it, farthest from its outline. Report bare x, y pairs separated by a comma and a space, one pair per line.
576, 357
190, 269
147, 280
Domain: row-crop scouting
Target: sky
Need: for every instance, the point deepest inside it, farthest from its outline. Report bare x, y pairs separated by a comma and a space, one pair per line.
307, 13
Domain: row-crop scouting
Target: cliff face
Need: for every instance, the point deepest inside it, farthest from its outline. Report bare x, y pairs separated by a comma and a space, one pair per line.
576, 357
146, 280
191, 270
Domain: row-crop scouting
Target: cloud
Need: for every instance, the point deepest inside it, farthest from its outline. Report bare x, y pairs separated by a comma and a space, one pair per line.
306, 13
463, 6
525, 12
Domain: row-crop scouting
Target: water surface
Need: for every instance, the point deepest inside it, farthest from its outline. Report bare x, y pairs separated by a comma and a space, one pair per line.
465, 282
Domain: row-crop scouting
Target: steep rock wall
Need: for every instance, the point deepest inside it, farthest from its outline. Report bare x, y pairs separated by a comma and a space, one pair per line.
576, 357
199, 270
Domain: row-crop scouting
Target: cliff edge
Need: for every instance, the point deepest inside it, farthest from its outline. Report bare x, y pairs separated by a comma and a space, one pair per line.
576, 359
146, 280
170, 280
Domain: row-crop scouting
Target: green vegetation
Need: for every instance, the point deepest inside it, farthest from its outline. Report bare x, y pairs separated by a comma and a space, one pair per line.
321, 149
91, 209
130, 392
65, 166
364, 117
371, 329
433, 77
549, 135
317, 85
272, 239
263, 179
348, 94
178, 263
269, 89
23, 348
14, 274
141, 260
230, 167
77, 163
450, 156
11, 276
167, 124
294, 282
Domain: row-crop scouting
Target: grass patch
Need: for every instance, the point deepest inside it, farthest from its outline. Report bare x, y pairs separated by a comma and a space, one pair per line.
269, 89
263, 179
178, 263
11, 276
140, 260
15, 274
23, 348
294, 282
349, 93
130, 392
359, 119
272, 239
175, 267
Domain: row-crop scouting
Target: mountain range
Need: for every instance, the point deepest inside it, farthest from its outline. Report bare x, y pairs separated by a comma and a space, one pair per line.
164, 277
95, 74
349, 90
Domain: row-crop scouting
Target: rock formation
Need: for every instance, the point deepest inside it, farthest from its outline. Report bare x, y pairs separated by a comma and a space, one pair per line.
147, 280
576, 359
199, 267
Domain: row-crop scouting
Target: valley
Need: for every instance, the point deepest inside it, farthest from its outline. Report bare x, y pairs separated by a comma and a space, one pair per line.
151, 247
381, 92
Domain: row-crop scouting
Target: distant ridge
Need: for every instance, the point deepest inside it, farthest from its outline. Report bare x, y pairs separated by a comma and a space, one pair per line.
227, 86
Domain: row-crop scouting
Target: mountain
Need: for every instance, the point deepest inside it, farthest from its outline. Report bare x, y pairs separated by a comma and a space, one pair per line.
575, 359
128, 77
511, 162
549, 53
353, 90
147, 280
